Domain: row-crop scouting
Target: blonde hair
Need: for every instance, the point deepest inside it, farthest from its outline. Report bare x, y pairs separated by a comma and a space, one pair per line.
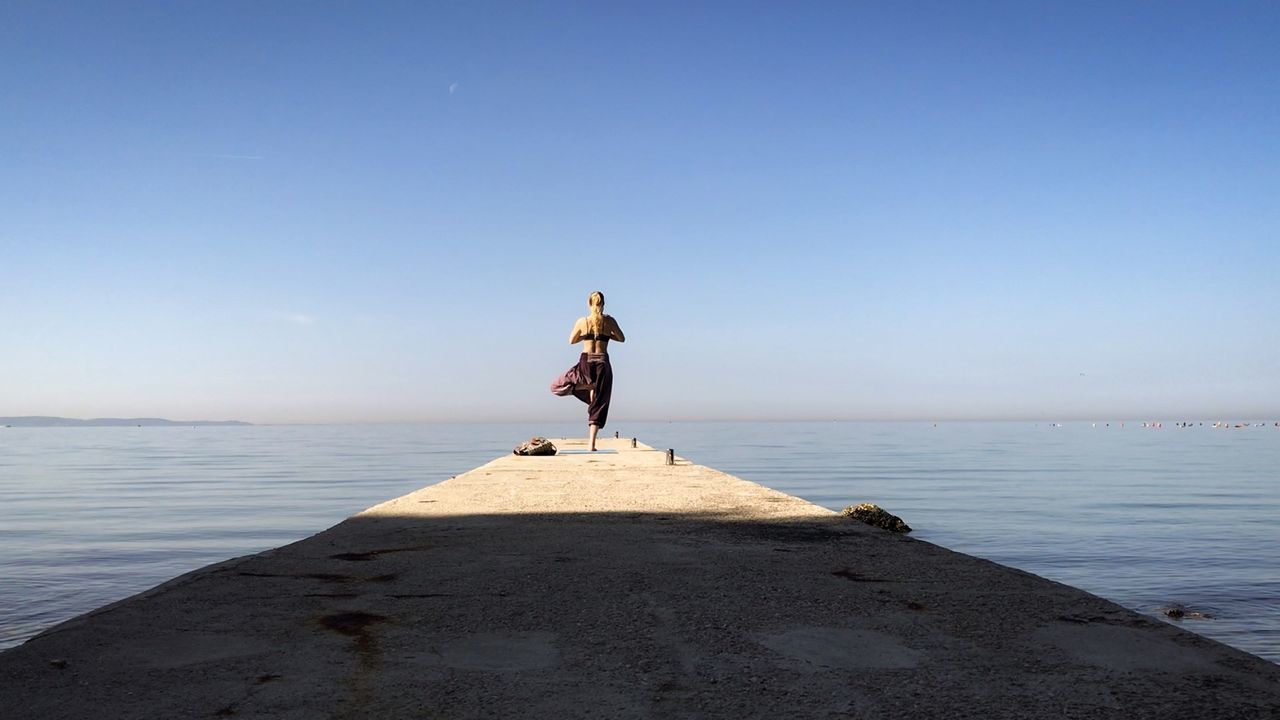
595, 321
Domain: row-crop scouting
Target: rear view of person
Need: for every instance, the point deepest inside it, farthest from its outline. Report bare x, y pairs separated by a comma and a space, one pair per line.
594, 376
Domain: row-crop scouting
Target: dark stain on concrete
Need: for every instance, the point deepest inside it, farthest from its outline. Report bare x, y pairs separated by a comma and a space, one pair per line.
852, 576
1081, 619
352, 624
326, 577
357, 625
329, 578
371, 554
1111, 619
355, 557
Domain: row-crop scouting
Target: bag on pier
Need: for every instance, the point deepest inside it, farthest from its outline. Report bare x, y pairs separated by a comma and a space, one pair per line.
535, 446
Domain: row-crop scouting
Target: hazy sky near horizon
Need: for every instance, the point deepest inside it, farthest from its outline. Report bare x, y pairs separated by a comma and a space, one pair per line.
394, 211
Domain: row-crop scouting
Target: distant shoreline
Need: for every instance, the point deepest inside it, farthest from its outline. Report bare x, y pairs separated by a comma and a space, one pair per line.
48, 421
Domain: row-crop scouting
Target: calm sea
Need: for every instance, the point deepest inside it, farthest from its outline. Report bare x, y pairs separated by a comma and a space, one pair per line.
1150, 518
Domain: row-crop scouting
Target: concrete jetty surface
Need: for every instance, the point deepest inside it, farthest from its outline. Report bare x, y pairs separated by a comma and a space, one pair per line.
610, 585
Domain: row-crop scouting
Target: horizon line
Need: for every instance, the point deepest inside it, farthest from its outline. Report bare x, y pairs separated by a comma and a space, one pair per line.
474, 421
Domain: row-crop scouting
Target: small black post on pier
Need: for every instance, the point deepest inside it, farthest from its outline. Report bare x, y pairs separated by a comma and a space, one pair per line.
633, 442
615, 434
671, 456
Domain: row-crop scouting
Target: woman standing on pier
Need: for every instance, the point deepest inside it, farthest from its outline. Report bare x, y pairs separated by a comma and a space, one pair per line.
594, 371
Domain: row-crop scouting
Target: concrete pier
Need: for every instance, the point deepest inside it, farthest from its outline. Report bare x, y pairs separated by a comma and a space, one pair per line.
611, 585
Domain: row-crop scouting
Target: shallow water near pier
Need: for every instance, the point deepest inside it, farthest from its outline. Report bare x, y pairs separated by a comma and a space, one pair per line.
1152, 518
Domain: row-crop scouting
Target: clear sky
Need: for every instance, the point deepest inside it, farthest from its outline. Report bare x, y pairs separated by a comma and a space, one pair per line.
366, 212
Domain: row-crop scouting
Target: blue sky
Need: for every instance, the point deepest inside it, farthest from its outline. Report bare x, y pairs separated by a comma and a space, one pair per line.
375, 212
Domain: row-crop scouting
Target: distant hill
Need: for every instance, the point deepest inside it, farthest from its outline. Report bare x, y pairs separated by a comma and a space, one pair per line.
44, 421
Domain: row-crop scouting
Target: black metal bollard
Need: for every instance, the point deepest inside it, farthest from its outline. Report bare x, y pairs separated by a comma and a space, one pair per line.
633, 442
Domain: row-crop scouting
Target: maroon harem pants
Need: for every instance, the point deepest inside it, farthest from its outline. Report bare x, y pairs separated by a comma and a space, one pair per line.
595, 369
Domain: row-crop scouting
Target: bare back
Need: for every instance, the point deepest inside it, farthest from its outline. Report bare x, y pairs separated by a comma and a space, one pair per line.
598, 341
